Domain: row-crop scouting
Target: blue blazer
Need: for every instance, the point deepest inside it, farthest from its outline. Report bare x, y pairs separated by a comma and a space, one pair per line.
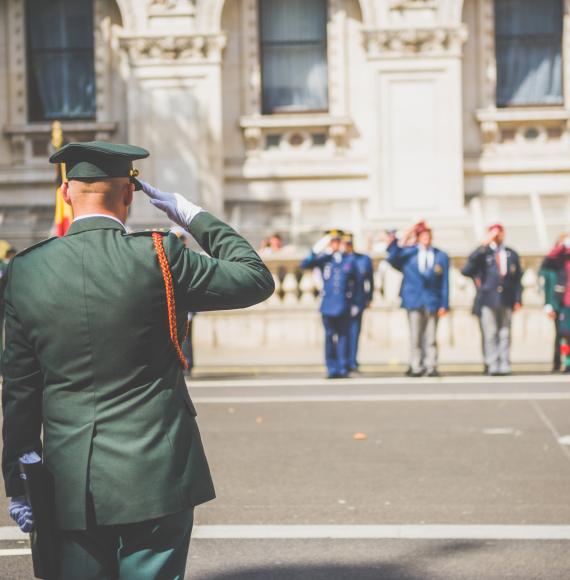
364, 284
429, 290
494, 290
338, 282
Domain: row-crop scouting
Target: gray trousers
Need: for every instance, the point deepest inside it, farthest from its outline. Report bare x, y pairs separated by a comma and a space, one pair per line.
423, 340
496, 326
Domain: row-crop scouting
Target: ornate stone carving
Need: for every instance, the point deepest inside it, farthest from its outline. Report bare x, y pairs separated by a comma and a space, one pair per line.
160, 5
413, 5
412, 41
157, 48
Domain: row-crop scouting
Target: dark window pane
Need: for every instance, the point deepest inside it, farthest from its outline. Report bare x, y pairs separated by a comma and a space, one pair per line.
294, 62
529, 52
61, 75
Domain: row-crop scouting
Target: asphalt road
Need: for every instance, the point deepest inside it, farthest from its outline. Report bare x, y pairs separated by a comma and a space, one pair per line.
458, 478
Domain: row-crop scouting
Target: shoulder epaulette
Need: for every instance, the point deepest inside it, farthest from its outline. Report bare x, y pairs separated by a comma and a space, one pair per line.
34, 246
161, 231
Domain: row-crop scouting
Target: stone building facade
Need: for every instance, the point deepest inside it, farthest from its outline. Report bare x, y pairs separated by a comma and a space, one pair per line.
396, 110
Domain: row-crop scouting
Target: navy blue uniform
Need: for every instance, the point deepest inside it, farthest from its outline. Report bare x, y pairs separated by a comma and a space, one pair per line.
339, 275
498, 274
495, 290
362, 296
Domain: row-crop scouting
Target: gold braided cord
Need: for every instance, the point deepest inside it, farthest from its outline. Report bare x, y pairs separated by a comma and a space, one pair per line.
170, 300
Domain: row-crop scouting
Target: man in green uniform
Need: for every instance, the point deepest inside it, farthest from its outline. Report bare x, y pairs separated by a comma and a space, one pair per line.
92, 357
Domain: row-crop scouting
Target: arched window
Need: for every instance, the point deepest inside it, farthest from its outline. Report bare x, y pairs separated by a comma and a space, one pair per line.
294, 55
529, 52
61, 75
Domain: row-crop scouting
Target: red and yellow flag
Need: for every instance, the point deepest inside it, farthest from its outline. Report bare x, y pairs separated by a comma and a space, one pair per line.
63, 211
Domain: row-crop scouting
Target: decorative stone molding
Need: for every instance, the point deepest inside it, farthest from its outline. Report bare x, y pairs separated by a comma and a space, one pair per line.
17, 61
295, 132
413, 5
413, 41
171, 5
30, 142
198, 47
523, 127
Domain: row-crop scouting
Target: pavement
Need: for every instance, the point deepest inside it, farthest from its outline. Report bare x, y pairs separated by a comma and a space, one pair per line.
377, 477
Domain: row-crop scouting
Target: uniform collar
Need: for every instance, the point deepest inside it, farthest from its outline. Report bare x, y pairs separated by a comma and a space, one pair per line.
94, 222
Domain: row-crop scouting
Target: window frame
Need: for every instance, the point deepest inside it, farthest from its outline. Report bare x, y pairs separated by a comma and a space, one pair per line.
261, 44
32, 92
529, 38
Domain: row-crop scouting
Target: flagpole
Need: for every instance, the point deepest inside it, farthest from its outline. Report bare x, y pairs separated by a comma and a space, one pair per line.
63, 212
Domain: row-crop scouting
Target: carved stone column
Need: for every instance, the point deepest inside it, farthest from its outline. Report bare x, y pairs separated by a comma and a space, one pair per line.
175, 111
417, 162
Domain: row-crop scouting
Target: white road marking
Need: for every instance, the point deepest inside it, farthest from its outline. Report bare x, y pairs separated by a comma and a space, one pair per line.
414, 398
500, 431
350, 532
550, 426
16, 552
565, 440
12, 533
409, 532
375, 381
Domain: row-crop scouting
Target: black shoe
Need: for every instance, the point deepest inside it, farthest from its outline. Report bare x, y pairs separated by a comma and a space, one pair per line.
417, 375
409, 372
433, 373
566, 371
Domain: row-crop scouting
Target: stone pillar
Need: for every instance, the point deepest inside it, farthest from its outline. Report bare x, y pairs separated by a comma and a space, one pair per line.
415, 58
175, 110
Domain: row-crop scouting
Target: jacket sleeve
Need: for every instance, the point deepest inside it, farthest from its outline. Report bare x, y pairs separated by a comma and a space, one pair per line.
555, 256
231, 276
315, 260
474, 267
370, 280
445, 284
398, 256
21, 400
518, 281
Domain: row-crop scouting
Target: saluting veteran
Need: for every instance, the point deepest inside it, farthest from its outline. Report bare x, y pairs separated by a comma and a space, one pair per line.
93, 357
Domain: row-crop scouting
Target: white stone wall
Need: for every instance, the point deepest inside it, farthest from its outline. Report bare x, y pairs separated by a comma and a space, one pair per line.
412, 131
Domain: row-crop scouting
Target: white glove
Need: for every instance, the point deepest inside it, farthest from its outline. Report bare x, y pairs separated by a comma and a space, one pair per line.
21, 512
354, 310
179, 209
322, 244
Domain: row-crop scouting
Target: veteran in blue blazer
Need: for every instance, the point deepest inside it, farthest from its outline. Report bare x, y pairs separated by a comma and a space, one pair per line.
362, 296
339, 274
424, 293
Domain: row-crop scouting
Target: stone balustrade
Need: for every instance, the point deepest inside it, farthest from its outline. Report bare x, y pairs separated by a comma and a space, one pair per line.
297, 287
287, 329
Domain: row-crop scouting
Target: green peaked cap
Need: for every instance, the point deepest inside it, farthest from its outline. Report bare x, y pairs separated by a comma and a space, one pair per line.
99, 160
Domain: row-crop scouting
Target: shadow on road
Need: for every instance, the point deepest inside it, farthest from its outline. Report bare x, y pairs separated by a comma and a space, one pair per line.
319, 572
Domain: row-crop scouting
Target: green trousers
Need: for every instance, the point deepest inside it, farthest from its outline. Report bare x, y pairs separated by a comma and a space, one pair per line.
151, 550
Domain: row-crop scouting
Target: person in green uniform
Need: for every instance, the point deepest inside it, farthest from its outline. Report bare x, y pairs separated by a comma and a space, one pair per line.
553, 305
91, 359
10, 253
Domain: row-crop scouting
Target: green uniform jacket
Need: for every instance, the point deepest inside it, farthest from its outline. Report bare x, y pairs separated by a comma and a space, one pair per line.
89, 357
551, 297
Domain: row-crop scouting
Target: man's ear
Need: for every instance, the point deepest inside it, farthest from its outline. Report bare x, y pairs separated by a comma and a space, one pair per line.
65, 192
128, 195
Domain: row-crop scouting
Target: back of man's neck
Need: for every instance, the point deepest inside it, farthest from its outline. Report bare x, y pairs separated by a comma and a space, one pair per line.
101, 213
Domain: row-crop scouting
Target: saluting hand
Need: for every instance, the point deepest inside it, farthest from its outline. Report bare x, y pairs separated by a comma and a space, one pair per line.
179, 209
21, 512
322, 244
